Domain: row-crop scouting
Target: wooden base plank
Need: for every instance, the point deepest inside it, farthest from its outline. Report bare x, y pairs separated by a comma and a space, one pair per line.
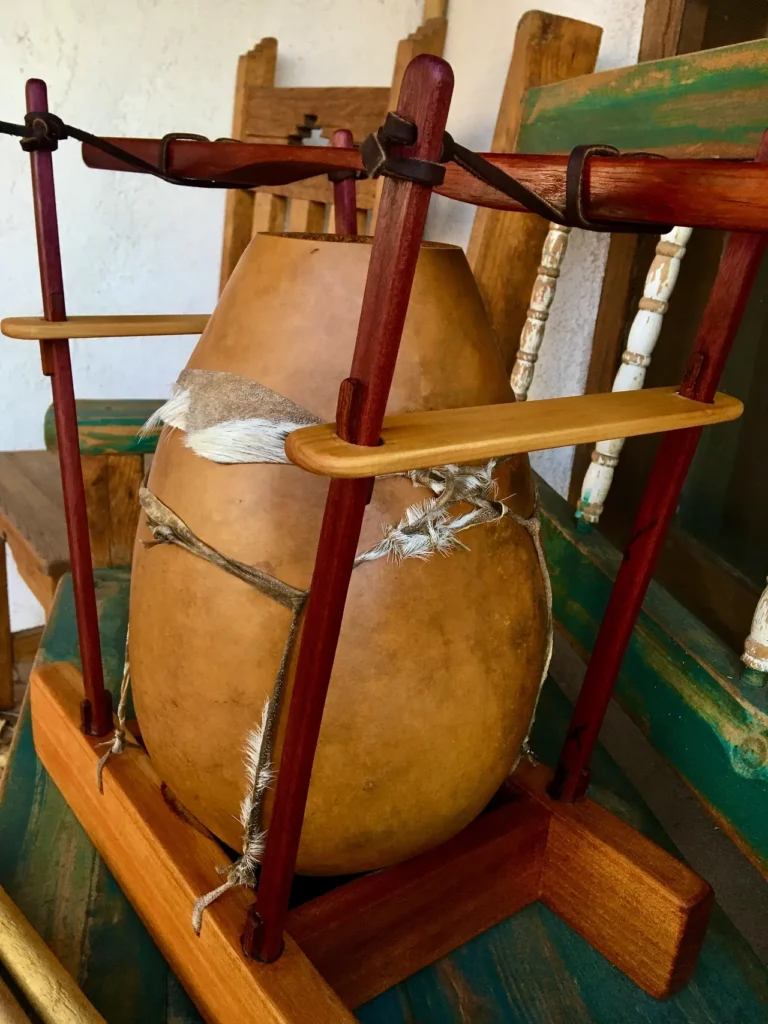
164, 864
378, 930
635, 903
639, 906
35, 328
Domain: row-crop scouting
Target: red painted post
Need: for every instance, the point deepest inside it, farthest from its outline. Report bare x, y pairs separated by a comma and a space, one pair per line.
344, 191
722, 316
97, 707
424, 99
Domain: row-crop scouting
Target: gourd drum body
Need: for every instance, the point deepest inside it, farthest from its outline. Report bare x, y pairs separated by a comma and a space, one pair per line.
439, 661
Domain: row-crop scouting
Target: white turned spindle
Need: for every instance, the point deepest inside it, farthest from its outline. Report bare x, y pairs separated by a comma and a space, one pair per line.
643, 335
532, 335
755, 654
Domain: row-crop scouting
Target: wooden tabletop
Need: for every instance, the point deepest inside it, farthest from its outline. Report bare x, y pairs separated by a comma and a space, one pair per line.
531, 969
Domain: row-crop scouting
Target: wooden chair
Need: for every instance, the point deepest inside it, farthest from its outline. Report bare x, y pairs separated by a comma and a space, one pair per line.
31, 503
705, 104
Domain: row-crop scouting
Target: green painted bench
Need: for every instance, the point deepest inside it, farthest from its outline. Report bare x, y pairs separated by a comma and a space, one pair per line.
531, 968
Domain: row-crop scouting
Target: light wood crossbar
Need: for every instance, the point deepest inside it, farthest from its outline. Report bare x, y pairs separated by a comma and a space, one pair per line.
34, 328
423, 439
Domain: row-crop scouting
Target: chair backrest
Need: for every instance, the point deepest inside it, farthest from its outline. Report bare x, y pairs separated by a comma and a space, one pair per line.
264, 113
707, 104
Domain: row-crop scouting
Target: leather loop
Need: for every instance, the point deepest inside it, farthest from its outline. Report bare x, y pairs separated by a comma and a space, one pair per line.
377, 159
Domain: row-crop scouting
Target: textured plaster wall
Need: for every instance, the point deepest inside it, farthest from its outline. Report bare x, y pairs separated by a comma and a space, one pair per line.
133, 244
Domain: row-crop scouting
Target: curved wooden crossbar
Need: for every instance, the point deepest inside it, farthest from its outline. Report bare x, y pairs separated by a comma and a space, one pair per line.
35, 328
727, 194
423, 439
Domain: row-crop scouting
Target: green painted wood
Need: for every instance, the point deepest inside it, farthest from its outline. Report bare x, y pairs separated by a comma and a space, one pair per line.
532, 969
683, 687
109, 426
712, 103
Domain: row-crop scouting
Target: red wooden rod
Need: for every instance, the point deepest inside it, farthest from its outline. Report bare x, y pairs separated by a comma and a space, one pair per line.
722, 316
425, 98
344, 192
97, 706
727, 194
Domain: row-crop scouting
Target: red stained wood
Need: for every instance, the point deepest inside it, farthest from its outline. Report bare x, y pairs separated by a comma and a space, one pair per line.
378, 930
425, 99
722, 316
727, 194
344, 192
97, 710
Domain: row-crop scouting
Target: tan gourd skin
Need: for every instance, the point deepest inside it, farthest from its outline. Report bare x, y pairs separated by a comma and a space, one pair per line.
439, 662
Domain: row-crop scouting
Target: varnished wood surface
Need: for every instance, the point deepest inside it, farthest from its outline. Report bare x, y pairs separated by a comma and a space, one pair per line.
420, 440
32, 511
33, 328
143, 842
109, 426
378, 930
532, 968
726, 194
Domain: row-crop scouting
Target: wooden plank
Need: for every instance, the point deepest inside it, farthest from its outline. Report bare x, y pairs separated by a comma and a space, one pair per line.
268, 213
112, 485
374, 932
423, 439
706, 104
547, 49
132, 813
6, 642
320, 190
33, 328
32, 510
26, 643
255, 68
305, 216
278, 114
110, 427
642, 908
679, 682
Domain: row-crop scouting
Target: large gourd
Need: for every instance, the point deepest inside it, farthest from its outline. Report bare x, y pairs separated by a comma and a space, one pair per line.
439, 661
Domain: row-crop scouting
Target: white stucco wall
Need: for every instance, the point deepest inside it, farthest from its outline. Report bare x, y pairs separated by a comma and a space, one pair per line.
133, 244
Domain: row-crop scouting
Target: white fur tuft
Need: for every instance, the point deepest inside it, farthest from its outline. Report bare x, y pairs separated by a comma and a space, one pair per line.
238, 441
174, 413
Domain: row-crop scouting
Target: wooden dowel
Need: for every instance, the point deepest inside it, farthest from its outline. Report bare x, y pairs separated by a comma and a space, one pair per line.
50, 990
738, 268
97, 706
731, 195
344, 192
424, 99
34, 328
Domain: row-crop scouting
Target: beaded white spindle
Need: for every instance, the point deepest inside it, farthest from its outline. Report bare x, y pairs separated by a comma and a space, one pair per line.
542, 294
643, 335
755, 654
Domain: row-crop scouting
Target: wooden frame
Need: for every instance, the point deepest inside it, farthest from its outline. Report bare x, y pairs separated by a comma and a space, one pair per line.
640, 891
648, 911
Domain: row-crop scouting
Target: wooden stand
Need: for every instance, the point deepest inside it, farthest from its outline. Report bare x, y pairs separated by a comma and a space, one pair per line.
635, 903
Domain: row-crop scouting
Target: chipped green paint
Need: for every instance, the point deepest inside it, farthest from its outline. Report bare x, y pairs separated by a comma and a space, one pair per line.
531, 969
709, 103
678, 681
110, 427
